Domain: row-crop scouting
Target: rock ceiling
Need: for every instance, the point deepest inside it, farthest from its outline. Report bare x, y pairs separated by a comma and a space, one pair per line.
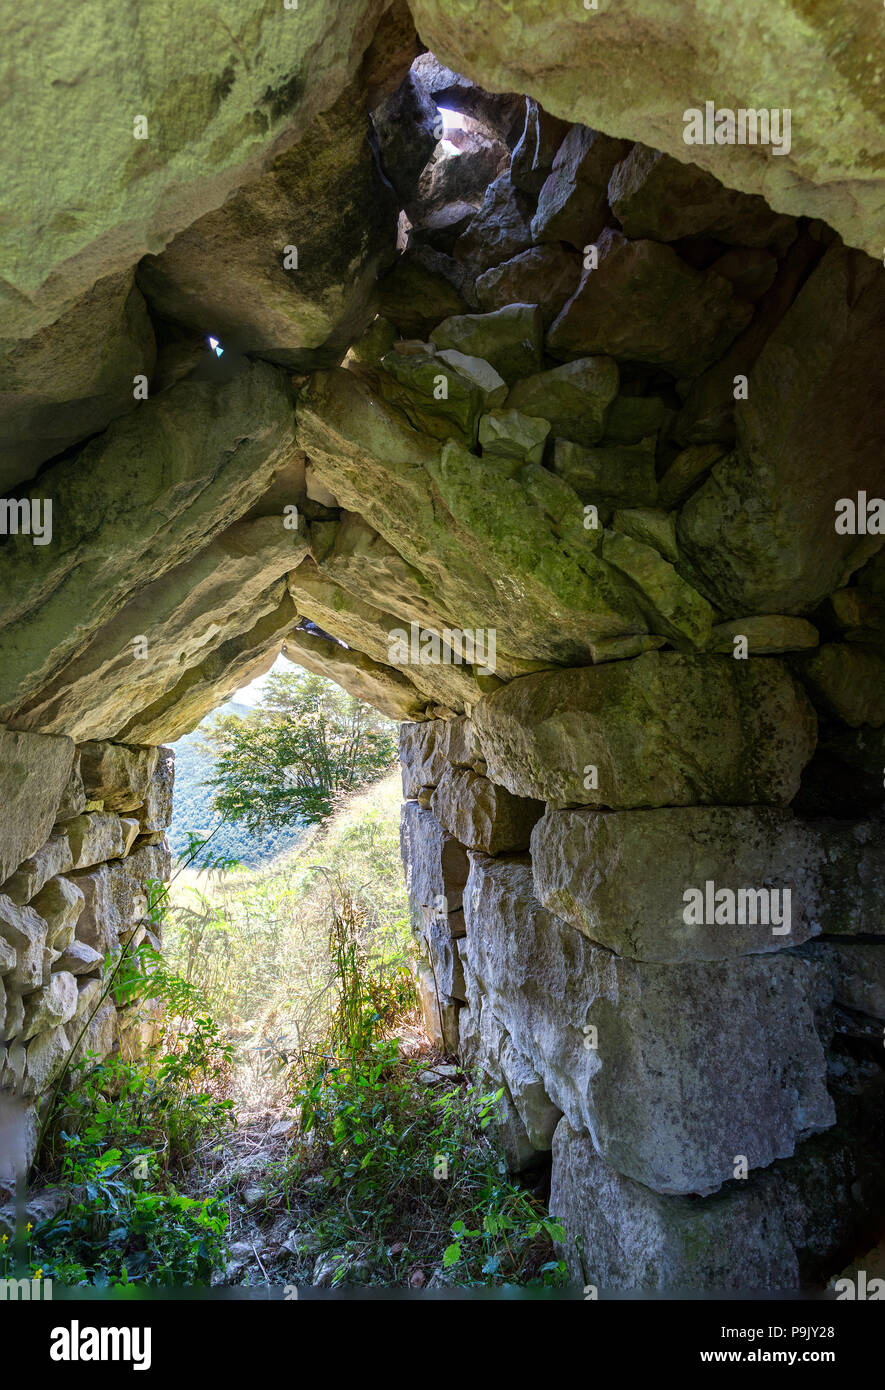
589, 481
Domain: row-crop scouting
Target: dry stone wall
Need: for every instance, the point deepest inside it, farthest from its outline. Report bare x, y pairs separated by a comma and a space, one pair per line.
711, 1121
562, 450
86, 827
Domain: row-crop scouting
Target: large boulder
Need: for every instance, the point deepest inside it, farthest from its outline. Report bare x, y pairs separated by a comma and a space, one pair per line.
405, 125
499, 230
622, 879
509, 338
574, 397
543, 275
231, 273
72, 377
642, 303
218, 593
654, 196
671, 1098
34, 772
634, 69
665, 729
573, 203
762, 529
135, 502
214, 99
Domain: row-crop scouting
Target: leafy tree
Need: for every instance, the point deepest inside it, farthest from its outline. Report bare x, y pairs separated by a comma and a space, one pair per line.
284, 762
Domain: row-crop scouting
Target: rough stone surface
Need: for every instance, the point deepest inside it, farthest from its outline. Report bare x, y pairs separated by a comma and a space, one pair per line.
34, 772
642, 303
609, 474
544, 275
482, 815
219, 93
228, 271
55, 857
508, 338
22, 928
500, 229
168, 476
607, 80
668, 1104
654, 196
774, 1231
573, 203
621, 878
761, 530
663, 730
509, 434
573, 397
72, 377
536, 149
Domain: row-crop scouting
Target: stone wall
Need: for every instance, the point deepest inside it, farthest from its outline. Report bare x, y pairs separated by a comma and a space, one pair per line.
83, 835
569, 391
711, 1093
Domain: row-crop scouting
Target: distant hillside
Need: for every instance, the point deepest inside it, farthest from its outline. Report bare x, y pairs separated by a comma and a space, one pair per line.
192, 803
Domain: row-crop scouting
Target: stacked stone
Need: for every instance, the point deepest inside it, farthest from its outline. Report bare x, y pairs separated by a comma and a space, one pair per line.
84, 832
677, 1071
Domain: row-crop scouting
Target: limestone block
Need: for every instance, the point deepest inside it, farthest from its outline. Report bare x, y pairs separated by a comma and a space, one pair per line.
665, 729
53, 858
544, 275
500, 229
621, 878
59, 903
768, 635
440, 1012
436, 864
643, 304
421, 755
99, 836
655, 196
34, 772
45, 1055
621, 475
762, 528
573, 202
509, 338
486, 1045
119, 775
49, 1007
775, 1230
22, 928
79, 959
73, 801
670, 1097
482, 815
155, 814
509, 434
7, 956
574, 397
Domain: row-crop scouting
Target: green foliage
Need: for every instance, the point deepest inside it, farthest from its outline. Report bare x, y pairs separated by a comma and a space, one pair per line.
127, 1134
256, 942
399, 1155
285, 762
192, 812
